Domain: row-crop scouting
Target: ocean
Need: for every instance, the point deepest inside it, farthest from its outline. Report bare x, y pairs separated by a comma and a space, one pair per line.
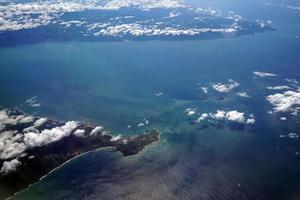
121, 84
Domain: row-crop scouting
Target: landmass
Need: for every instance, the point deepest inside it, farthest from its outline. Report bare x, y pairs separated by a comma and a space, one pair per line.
31, 147
134, 21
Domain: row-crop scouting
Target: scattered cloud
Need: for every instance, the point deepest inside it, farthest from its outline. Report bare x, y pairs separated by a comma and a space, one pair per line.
283, 118
202, 117
96, 130
235, 116
137, 29
79, 132
115, 138
10, 166
40, 122
264, 74
141, 124
33, 102
293, 135
292, 81
219, 115
190, 111
288, 101
223, 88
146, 121
158, 94
204, 90
143, 4
243, 94
280, 87
250, 121
28, 15
34, 139
68, 24
11, 144
294, 7
7, 118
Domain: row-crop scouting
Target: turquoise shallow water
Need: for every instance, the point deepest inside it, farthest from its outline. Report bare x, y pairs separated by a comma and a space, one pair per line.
115, 84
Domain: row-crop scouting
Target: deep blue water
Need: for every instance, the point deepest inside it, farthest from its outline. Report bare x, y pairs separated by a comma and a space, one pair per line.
114, 84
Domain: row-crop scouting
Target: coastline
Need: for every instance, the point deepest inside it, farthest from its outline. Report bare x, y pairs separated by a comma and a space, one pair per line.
68, 161
49, 157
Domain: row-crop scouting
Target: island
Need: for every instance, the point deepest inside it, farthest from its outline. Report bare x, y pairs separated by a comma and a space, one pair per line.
31, 147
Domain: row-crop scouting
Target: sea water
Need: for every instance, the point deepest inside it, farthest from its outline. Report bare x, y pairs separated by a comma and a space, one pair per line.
116, 85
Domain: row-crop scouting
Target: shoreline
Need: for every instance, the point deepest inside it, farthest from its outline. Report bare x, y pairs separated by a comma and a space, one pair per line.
53, 170
58, 153
83, 154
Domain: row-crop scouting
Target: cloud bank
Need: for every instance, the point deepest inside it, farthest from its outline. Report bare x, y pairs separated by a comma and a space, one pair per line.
232, 116
47, 136
20, 132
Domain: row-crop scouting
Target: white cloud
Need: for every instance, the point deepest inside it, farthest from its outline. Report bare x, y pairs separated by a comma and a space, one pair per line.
220, 87
142, 29
204, 90
288, 101
243, 94
9, 166
115, 138
280, 87
263, 74
79, 132
158, 94
11, 144
293, 135
14, 143
96, 130
26, 119
292, 81
141, 124
203, 116
143, 4
283, 118
33, 139
68, 24
250, 121
173, 14
27, 15
235, 116
294, 7
220, 115
33, 101
40, 122
190, 111
7, 118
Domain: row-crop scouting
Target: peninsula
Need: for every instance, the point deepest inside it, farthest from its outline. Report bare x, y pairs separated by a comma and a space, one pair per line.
31, 147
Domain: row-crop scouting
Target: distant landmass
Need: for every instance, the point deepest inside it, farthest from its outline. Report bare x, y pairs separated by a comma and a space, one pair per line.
33, 22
